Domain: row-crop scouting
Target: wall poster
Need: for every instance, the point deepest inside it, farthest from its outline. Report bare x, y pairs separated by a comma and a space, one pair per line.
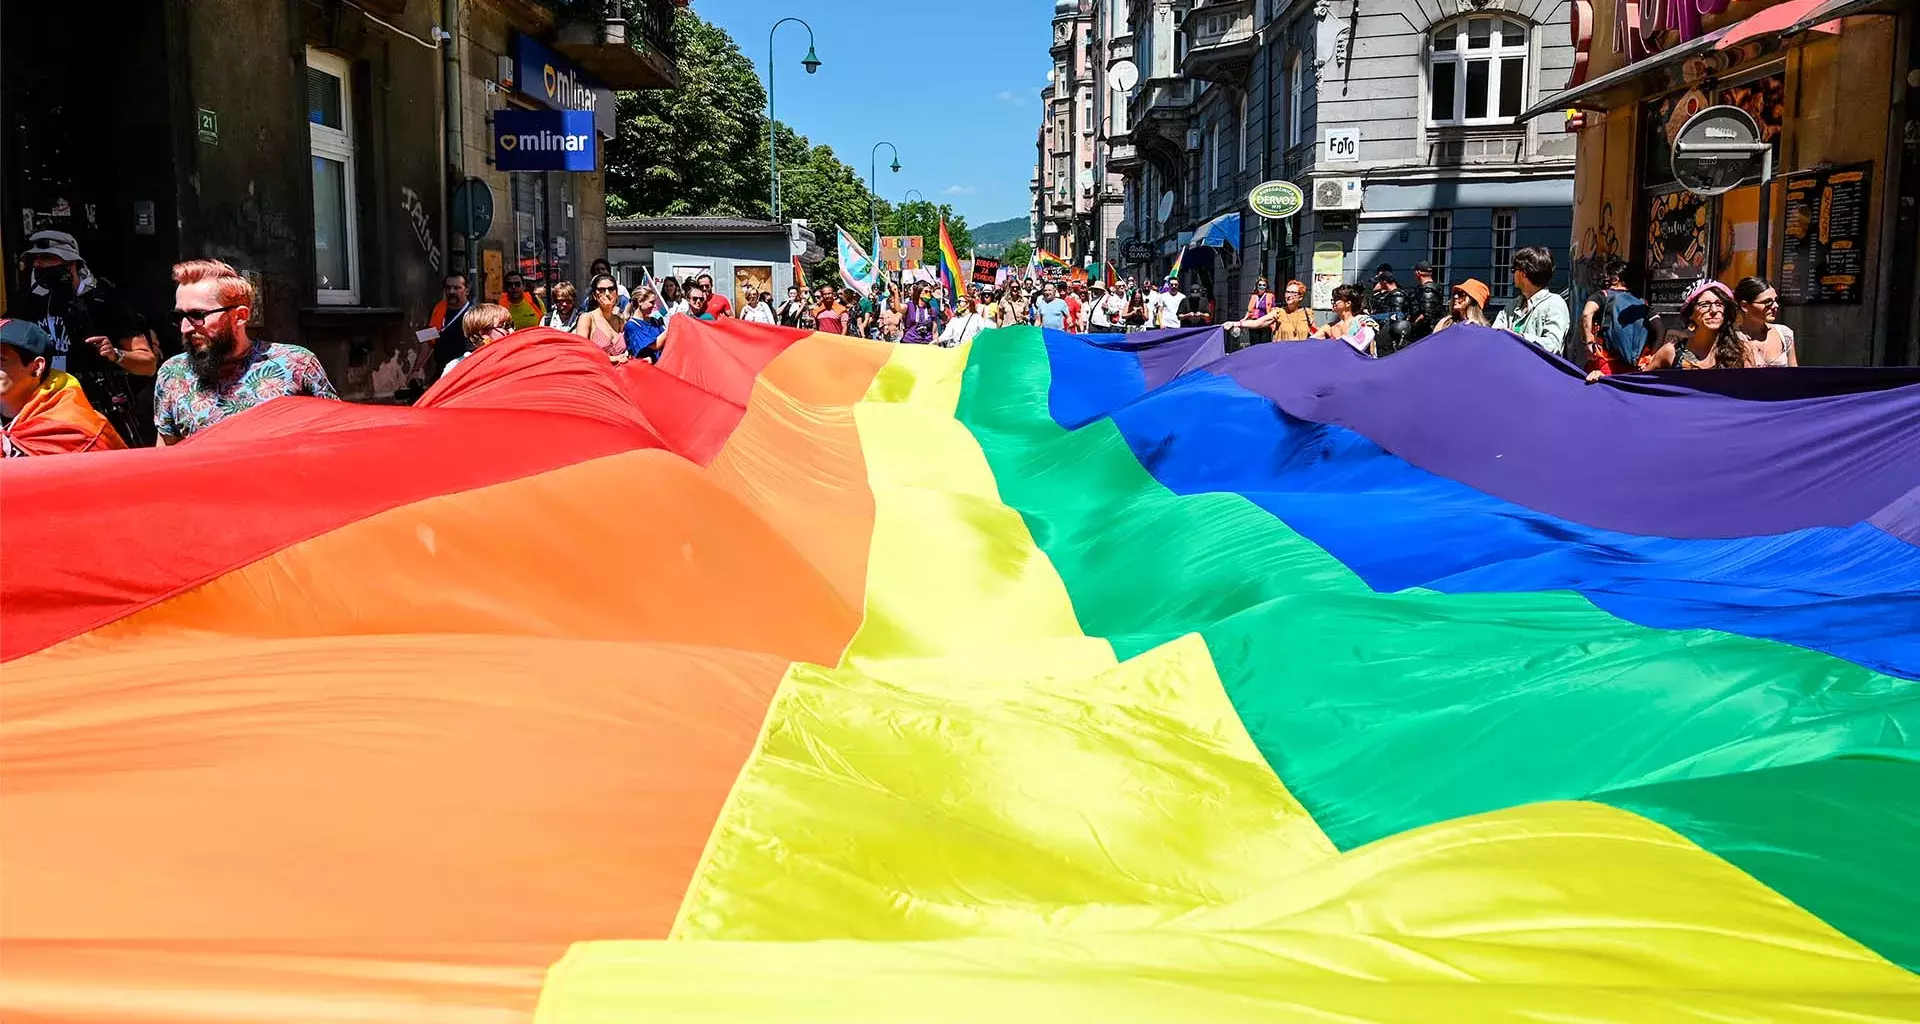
750, 277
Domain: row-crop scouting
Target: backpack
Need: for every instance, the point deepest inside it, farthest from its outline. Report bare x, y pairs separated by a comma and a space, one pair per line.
1622, 323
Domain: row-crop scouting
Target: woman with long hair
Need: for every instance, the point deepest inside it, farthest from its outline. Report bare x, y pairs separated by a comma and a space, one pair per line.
603, 325
1351, 323
644, 327
1134, 315
1709, 341
671, 303
917, 319
1759, 310
1467, 304
566, 307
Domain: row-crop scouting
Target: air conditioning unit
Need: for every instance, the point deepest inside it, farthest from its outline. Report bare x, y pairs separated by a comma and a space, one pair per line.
1337, 194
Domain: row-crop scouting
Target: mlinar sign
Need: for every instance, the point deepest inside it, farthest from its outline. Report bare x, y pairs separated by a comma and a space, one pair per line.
544, 140
552, 81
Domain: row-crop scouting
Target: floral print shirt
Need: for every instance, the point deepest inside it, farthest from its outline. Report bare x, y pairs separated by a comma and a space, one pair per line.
182, 405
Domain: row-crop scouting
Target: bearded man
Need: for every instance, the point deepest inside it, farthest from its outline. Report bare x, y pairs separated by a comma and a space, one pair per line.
224, 371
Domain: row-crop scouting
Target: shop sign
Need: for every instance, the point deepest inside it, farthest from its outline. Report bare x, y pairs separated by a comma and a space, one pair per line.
545, 140
1718, 149
1137, 252
1276, 200
1341, 145
1644, 27
554, 82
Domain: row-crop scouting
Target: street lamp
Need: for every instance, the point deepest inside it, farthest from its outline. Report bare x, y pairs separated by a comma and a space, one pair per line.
873, 191
812, 64
908, 198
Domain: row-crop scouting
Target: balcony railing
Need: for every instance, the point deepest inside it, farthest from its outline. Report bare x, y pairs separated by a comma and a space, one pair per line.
1221, 40
628, 44
1160, 101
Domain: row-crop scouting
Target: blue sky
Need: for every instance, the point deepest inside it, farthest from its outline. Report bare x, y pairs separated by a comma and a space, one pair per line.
969, 143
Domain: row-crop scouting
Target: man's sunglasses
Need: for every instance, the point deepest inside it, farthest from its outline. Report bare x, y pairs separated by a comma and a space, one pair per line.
198, 316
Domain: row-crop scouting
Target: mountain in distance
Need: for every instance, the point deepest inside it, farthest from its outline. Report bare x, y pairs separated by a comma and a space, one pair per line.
993, 239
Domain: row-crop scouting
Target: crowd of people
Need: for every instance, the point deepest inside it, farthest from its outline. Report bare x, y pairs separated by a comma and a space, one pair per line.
73, 368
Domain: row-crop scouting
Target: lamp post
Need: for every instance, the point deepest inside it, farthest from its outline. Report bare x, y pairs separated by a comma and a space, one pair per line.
908, 198
812, 64
873, 191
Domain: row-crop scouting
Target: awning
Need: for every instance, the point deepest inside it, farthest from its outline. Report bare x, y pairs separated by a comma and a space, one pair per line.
1222, 232
1721, 50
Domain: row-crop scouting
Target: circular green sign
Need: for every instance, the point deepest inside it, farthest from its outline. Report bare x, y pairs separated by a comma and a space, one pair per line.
1276, 199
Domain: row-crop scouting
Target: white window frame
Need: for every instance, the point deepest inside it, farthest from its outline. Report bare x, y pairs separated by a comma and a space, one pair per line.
1219, 139
337, 145
1494, 55
1240, 140
1506, 238
1296, 102
1440, 245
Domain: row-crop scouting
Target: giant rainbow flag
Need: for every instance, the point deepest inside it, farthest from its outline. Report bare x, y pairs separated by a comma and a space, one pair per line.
801, 678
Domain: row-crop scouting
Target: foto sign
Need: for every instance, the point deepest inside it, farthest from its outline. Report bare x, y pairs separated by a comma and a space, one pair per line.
1341, 145
545, 140
1718, 149
1276, 200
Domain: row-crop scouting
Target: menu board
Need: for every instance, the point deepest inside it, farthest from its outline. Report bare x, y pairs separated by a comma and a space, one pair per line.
1823, 256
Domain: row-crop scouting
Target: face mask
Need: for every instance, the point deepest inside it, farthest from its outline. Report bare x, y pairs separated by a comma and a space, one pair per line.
55, 281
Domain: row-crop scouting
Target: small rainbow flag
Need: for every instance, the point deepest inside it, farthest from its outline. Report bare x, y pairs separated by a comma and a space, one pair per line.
1173, 273
950, 263
1047, 259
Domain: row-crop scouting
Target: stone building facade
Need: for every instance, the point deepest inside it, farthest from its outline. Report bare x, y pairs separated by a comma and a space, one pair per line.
1399, 119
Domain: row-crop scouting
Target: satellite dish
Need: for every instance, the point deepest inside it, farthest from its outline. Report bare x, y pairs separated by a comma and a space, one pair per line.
1123, 75
1166, 206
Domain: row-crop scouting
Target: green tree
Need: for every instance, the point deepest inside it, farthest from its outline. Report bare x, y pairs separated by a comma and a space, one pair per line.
829, 196
696, 150
701, 150
1018, 255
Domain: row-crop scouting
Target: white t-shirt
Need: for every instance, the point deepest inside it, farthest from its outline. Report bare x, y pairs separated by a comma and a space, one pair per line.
758, 313
961, 329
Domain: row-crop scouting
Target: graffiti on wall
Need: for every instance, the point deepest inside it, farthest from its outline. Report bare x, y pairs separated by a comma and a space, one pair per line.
1598, 244
416, 212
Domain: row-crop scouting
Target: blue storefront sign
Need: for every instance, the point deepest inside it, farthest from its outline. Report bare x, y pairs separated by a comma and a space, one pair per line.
554, 82
545, 140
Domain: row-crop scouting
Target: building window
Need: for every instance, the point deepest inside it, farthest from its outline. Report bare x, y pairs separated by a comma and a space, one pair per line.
1440, 245
1219, 133
336, 234
1296, 91
1240, 140
1479, 72
1506, 226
